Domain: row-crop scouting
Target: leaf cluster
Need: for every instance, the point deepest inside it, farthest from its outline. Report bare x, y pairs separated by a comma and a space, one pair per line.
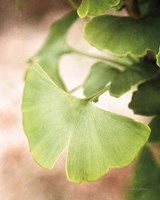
97, 140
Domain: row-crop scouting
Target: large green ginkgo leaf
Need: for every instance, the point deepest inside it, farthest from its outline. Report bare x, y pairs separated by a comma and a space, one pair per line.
146, 181
155, 130
124, 35
54, 47
146, 100
94, 7
121, 81
96, 139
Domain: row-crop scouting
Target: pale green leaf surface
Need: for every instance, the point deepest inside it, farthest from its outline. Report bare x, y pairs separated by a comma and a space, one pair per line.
96, 139
54, 47
155, 130
124, 35
146, 181
100, 74
146, 100
121, 81
94, 7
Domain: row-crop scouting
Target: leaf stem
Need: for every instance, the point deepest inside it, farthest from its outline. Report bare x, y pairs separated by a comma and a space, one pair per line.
132, 58
75, 88
73, 4
102, 58
99, 93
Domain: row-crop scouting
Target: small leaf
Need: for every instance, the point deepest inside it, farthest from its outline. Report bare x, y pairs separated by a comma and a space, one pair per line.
124, 35
146, 100
99, 76
155, 130
121, 81
146, 182
54, 47
94, 7
96, 139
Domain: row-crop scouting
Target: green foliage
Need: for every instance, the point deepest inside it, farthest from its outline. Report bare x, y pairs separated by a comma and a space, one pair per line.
121, 81
146, 100
94, 7
155, 130
124, 35
96, 140
55, 47
146, 182
147, 6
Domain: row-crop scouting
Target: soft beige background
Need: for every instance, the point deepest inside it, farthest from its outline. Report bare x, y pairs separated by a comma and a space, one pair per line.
21, 34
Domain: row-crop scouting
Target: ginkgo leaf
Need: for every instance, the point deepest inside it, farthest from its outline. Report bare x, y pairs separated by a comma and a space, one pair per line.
94, 7
100, 74
124, 35
146, 100
155, 130
121, 81
146, 181
96, 139
54, 47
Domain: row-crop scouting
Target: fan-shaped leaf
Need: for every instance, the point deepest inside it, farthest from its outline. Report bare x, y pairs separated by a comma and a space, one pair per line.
155, 130
94, 7
54, 47
96, 139
146, 100
121, 81
124, 35
146, 182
